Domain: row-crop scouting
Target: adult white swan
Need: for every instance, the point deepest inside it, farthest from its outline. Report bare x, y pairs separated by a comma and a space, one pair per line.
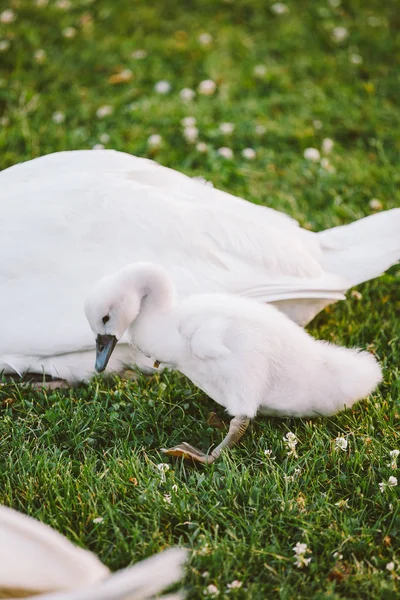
69, 218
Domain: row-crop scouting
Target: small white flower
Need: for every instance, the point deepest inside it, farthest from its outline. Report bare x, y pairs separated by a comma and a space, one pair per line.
249, 153
63, 4
167, 498
211, 590
391, 482
356, 59
337, 556
340, 443
139, 54
191, 134
375, 204
260, 129
390, 566
202, 147
268, 452
260, 70
356, 294
225, 152
317, 124
279, 8
327, 145
163, 467
162, 87
188, 122
394, 453
58, 117
290, 441
104, 138
339, 34
40, 56
4, 45
226, 128
7, 16
312, 154
98, 520
98, 147
104, 111
205, 39
69, 32
174, 488
187, 94
235, 585
207, 87
205, 574
300, 550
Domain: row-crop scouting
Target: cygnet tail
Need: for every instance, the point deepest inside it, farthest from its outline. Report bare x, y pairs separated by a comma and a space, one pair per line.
353, 375
364, 249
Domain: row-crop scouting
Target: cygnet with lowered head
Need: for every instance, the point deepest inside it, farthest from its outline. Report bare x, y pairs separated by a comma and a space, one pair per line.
248, 357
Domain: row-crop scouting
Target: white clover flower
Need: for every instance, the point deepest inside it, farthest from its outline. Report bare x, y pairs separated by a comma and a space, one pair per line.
104, 138
375, 204
225, 152
7, 16
260, 129
139, 54
235, 585
290, 441
211, 590
279, 8
188, 122
207, 87
268, 452
205, 39
163, 467
312, 154
260, 70
162, 87
339, 34
98, 147
317, 124
69, 32
205, 574
327, 145
390, 483
337, 555
390, 566
191, 134
187, 94
249, 153
167, 498
340, 443
300, 550
104, 111
58, 117
226, 128
356, 59
4, 45
393, 455
63, 4
40, 56
98, 520
202, 147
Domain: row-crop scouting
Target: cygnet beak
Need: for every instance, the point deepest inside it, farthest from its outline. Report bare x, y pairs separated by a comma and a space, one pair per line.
105, 345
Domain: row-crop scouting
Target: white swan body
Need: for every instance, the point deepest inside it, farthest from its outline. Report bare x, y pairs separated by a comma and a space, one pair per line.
248, 357
36, 559
69, 218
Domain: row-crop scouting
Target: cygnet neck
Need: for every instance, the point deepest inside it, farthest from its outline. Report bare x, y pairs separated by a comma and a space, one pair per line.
154, 286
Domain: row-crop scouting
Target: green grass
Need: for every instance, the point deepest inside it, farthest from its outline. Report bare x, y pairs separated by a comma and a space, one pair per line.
69, 457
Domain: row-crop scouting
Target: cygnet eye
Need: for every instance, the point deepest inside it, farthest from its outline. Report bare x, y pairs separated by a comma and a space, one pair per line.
105, 319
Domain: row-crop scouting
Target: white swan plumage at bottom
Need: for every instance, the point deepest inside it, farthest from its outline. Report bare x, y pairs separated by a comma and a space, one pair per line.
38, 562
69, 218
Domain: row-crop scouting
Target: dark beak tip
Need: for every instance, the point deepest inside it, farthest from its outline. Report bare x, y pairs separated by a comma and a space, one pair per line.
105, 345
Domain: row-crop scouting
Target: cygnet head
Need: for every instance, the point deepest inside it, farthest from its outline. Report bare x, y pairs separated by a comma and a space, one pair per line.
114, 303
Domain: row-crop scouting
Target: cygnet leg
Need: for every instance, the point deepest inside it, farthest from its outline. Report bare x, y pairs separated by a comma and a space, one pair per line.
237, 428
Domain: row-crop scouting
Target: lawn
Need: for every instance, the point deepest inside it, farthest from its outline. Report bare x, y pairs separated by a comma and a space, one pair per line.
81, 73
